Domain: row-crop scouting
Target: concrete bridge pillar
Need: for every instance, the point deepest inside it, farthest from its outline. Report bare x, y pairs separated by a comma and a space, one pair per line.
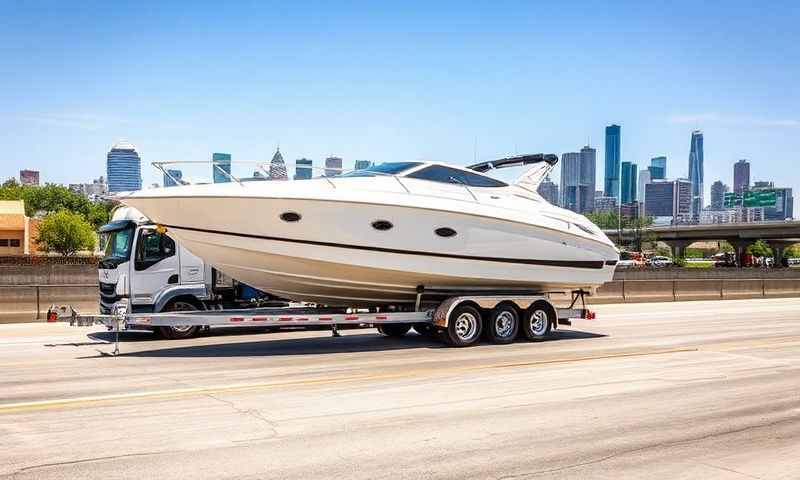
678, 247
739, 246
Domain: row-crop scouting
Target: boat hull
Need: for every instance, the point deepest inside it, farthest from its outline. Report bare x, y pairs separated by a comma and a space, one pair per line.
334, 255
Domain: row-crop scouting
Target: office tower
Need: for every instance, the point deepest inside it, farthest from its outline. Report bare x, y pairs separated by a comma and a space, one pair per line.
658, 168
363, 164
669, 198
588, 178
548, 190
603, 204
628, 183
123, 168
176, 176
741, 176
221, 163
303, 169
696, 173
277, 167
784, 201
613, 143
641, 188
333, 166
29, 177
570, 180
718, 191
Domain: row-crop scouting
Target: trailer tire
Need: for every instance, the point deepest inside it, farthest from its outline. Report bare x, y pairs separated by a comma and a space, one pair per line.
394, 329
464, 326
179, 332
539, 321
502, 325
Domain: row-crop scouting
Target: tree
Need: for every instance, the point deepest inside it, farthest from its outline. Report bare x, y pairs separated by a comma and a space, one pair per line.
66, 233
759, 249
792, 251
52, 198
640, 230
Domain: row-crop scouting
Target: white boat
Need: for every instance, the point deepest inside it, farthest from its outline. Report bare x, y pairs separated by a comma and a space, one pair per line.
377, 236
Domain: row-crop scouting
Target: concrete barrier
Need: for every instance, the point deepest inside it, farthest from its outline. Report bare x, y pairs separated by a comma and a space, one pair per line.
784, 287
29, 303
698, 290
648, 290
743, 288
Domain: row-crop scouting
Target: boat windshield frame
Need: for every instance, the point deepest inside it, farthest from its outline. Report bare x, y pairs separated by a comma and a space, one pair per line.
383, 169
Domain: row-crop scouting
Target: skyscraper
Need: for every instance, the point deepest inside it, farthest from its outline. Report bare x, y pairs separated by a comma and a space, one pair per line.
588, 178
221, 161
177, 175
718, 191
741, 176
29, 177
696, 173
333, 166
549, 191
641, 188
362, 164
570, 181
123, 168
303, 169
277, 167
628, 185
613, 143
658, 168
669, 198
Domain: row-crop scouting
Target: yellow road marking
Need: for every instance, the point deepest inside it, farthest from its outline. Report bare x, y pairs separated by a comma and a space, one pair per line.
238, 388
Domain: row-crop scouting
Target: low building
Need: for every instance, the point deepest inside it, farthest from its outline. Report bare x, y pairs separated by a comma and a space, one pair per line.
17, 231
605, 204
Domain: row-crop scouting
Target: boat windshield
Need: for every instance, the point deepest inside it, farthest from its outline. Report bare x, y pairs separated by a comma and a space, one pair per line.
388, 168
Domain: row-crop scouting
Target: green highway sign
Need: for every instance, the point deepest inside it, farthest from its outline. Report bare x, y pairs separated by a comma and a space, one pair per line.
732, 200
760, 198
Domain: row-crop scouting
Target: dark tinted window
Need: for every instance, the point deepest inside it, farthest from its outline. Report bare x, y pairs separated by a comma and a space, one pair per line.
389, 168
14, 242
438, 173
4, 242
153, 247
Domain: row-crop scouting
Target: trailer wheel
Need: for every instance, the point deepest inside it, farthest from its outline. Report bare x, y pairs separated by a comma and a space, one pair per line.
463, 326
394, 329
179, 331
538, 321
503, 324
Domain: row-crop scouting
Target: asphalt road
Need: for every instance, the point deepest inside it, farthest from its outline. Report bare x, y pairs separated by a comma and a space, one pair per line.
680, 390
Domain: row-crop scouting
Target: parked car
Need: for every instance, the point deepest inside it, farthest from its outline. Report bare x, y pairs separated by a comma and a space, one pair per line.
659, 261
627, 264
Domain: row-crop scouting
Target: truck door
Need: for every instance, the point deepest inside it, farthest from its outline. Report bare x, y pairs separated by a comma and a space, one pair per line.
155, 266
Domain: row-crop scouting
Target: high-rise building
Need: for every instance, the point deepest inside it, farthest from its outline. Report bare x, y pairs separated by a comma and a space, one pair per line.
741, 176
696, 173
363, 164
570, 180
221, 165
658, 168
588, 178
784, 201
604, 204
303, 169
548, 190
669, 198
628, 183
123, 168
613, 144
173, 178
277, 167
333, 166
641, 188
718, 191
29, 177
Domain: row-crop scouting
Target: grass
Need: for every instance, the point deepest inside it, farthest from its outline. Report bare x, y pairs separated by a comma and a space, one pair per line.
704, 264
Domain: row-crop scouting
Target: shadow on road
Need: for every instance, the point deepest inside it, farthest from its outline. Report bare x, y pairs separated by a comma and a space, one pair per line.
349, 343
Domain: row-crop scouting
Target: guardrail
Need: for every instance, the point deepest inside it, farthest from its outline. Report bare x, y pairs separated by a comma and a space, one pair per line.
29, 303
674, 290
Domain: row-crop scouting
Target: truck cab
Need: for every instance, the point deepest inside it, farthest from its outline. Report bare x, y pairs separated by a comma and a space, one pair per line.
148, 270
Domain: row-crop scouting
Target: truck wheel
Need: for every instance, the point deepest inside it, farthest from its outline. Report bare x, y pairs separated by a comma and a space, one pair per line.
503, 324
179, 331
538, 322
394, 329
463, 326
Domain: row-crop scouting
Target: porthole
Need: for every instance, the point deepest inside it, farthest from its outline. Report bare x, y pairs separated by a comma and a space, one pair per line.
445, 232
290, 217
382, 225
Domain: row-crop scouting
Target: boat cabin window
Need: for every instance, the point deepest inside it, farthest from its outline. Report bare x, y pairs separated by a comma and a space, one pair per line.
442, 174
388, 168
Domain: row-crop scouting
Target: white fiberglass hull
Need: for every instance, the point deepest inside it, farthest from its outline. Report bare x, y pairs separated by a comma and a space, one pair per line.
333, 254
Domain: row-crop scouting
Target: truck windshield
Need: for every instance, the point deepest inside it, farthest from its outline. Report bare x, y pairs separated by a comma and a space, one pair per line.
117, 245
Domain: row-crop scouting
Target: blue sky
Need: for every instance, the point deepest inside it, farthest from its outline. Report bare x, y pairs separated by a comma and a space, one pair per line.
413, 80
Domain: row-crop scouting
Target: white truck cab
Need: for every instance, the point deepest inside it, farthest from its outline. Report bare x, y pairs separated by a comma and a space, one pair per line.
155, 274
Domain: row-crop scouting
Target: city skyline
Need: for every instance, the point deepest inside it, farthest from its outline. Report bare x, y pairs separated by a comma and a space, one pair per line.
399, 84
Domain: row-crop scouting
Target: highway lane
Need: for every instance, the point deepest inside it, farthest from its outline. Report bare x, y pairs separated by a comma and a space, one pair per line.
674, 390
